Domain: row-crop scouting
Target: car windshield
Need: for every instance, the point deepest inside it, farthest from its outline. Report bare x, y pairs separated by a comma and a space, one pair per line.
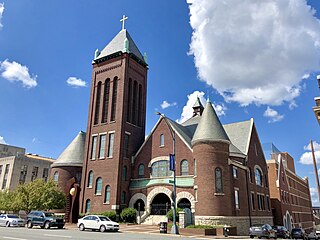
296, 230
104, 219
257, 225
12, 216
49, 214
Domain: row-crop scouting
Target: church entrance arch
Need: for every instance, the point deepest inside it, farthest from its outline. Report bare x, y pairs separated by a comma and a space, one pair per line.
184, 203
160, 205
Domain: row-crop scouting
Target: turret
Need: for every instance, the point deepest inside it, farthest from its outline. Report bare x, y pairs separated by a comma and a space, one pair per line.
210, 145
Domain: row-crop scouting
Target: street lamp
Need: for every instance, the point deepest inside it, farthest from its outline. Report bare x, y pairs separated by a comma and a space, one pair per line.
174, 229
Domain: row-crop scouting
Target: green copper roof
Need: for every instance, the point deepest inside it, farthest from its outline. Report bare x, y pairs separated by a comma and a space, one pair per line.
122, 42
144, 183
209, 127
73, 155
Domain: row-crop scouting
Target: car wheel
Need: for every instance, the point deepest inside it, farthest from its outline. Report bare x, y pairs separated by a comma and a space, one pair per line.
60, 227
42, 227
47, 225
29, 224
102, 228
7, 224
251, 236
81, 227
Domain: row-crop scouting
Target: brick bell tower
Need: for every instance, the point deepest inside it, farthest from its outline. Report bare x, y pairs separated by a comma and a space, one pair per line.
116, 124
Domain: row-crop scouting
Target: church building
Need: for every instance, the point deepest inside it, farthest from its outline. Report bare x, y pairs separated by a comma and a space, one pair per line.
221, 170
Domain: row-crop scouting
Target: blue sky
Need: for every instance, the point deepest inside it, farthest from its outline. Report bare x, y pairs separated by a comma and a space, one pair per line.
255, 60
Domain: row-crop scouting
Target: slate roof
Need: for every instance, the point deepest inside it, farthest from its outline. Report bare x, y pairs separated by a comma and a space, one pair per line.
73, 155
117, 44
209, 127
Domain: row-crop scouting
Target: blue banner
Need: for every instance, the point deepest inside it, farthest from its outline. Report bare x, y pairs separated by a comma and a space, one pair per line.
172, 162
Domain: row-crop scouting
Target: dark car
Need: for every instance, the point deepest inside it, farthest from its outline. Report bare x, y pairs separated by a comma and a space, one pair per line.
281, 232
262, 231
44, 220
298, 233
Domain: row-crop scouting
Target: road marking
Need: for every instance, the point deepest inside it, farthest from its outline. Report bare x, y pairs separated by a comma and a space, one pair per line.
51, 235
14, 238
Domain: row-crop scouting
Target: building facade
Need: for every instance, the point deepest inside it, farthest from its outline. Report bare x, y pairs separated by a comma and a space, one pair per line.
289, 193
15, 170
221, 170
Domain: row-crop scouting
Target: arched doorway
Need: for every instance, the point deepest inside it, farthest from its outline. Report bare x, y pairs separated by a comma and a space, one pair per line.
139, 205
184, 203
160, 205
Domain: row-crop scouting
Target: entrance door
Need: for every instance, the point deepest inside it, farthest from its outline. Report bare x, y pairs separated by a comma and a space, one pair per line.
160, 205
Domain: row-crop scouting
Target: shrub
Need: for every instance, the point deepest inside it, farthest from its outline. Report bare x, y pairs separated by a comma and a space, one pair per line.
128, 215
170, 214
205, 226
110, 214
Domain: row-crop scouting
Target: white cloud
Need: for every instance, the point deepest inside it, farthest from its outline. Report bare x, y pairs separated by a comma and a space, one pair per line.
306, 158
187, 110
314, 196
13, 71
76, 82
166, 104
273, 115
2, 140
1, 13
255, 52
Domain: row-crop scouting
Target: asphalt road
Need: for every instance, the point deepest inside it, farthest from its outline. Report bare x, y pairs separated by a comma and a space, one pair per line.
42, 234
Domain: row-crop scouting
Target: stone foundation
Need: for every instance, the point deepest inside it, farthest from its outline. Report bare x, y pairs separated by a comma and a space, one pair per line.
242, 223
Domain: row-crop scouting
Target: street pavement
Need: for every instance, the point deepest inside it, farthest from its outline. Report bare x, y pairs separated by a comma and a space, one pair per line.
134, 232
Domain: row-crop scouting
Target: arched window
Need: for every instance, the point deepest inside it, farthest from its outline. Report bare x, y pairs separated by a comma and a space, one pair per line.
98, 186
105, 100
129, 100
90, 179
96, 112
258, 176
56, 176
184, 167
218, 178
161, 140
87, 206
160, 169
134, 102
139, 105
124, 174
123, 197
114, 99
107, 194
141, 171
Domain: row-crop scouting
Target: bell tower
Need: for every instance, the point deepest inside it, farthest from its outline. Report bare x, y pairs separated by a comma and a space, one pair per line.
116, 123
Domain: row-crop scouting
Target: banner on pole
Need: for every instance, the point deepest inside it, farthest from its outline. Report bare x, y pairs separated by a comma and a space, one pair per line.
172, 162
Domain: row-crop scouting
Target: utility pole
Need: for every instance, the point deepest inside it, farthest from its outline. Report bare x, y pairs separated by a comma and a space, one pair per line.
315, 168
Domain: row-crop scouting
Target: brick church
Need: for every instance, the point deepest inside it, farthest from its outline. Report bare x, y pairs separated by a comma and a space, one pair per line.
221, 170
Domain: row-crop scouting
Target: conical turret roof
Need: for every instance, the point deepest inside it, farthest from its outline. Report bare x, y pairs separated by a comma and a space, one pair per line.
73, 155
122, 42
210, 127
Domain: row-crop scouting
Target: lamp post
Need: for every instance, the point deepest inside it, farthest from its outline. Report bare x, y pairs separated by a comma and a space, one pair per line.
174, 229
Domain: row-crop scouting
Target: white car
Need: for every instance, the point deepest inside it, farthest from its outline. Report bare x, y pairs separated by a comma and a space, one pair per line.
11, 220
97, 222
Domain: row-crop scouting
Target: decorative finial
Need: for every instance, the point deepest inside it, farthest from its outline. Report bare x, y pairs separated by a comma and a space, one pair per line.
145, 57
124, 18
96, 53
208, 98
126, 45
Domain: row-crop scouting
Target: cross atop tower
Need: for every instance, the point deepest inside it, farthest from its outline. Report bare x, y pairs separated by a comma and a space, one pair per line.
124, 18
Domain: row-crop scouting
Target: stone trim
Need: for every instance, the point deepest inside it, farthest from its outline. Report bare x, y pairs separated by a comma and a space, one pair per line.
137, 196
188, 196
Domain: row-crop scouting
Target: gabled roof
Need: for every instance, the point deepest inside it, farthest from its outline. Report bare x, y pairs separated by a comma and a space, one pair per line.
119, 44
209, 127
73, 155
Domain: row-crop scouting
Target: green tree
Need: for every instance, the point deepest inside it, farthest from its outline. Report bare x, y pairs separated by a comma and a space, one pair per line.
39, 195
6, 201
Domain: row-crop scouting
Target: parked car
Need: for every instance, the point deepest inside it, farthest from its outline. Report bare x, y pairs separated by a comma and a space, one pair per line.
298, 233
281, 232
313, 235
11, 220
262, 231
44, 220
97, 222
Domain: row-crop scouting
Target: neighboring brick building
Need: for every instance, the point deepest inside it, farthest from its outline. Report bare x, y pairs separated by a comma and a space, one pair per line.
221, 169
22, 168
67, 171
289, 193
